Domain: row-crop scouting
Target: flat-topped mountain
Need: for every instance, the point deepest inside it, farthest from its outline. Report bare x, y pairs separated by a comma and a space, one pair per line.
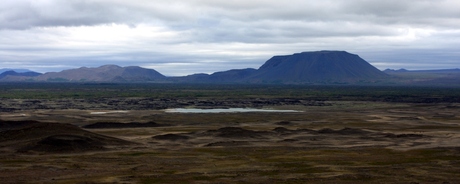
320, 66
106, 73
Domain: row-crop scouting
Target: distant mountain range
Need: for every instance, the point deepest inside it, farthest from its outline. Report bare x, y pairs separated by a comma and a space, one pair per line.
319, 67
2, 70
442, 77
106, 73
305, 67
402, 70
21, 73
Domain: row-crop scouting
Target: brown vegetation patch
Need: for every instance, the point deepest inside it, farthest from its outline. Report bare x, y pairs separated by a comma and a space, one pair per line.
282, 130
237, 132
171, 137
405, 135
228, 143
344, 131
121, 125
283, 123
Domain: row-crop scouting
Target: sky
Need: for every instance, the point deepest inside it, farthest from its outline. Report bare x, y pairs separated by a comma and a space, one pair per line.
183, 37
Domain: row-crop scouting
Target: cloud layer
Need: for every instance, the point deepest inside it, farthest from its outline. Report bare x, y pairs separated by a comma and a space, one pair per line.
184, 37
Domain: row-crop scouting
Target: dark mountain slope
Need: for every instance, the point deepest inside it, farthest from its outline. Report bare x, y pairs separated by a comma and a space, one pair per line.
230, 76
320, 66
233, 75
135, 73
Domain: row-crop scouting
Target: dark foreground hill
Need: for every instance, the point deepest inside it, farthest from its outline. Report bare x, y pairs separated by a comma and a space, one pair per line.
39, 137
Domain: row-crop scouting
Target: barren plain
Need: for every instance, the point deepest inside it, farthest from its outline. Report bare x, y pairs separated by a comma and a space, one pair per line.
363, 136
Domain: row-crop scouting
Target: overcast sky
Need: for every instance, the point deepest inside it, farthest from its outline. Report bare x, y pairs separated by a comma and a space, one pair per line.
181, 37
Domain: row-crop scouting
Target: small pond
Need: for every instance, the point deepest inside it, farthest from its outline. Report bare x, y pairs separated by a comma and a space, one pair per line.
108, 112
229, 110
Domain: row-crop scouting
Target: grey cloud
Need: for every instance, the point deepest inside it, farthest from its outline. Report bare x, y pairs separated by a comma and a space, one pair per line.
316, 18
228, 33
395, 12
414, 59
26, 14
276, 31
